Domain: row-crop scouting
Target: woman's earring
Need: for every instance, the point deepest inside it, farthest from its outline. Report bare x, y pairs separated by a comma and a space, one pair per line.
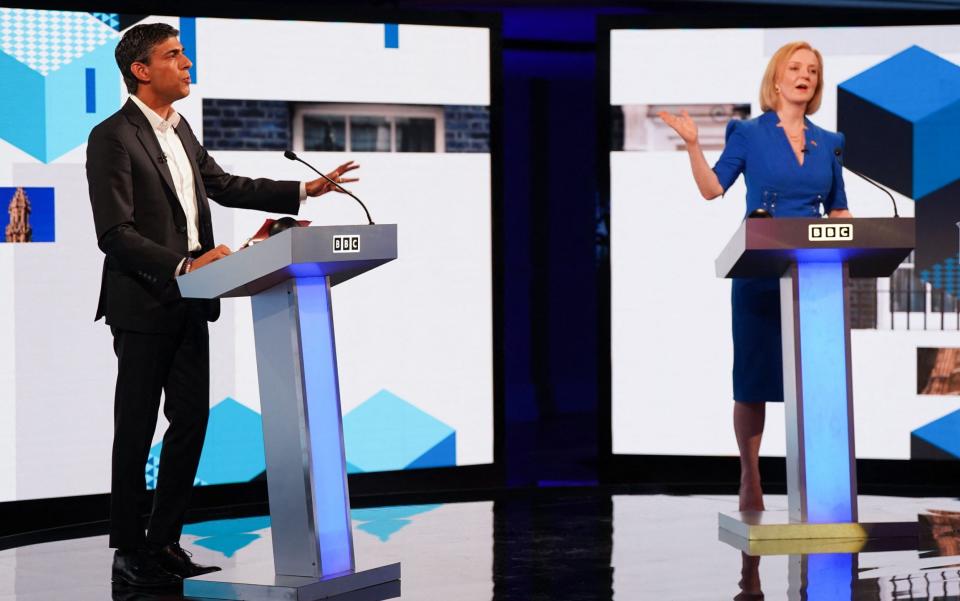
777, 89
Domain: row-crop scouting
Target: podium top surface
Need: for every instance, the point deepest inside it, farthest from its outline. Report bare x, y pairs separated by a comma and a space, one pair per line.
871, 247
338, 251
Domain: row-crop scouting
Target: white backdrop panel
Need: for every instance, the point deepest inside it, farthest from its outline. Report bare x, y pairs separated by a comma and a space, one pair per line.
345, 62
671, 343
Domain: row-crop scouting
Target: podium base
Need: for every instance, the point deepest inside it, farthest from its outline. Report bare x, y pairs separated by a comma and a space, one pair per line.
260, 583
776, 525
812, 546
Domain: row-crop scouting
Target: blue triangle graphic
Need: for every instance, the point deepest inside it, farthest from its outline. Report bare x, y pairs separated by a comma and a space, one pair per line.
442, 454
943, 433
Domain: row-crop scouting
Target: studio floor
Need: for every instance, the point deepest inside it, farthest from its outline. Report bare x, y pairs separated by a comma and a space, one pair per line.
550, 545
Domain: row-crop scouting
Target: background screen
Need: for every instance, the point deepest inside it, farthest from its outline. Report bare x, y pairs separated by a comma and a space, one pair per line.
893, 92
410, 103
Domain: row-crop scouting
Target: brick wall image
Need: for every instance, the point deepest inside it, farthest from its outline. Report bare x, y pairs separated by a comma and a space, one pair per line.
246, 124
467, 128
230, 124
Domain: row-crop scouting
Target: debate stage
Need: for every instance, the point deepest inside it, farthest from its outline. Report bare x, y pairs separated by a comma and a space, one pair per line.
556, 544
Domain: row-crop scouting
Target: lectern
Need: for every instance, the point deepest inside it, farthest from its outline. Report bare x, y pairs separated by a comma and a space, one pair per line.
814, 259
288, 278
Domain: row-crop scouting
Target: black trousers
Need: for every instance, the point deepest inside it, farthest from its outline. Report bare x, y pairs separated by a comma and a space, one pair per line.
178, 364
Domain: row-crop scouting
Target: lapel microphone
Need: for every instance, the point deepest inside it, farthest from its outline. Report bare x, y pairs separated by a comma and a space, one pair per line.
162, 158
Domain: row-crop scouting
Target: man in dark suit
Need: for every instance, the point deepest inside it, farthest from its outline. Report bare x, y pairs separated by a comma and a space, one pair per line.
149, 182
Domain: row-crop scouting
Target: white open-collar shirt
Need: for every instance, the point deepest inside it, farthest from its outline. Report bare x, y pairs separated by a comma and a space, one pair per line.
179, 164
180, 170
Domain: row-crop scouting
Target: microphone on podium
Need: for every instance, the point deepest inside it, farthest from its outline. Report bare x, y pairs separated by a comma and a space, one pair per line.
837, 152
293, 157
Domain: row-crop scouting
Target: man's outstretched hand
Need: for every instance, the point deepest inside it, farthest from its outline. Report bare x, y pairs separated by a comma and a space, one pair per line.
321, 186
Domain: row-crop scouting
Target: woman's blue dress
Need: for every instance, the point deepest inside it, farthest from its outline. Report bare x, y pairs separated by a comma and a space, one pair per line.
778, 183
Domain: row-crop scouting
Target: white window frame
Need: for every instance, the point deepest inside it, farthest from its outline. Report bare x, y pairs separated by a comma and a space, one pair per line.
391, 112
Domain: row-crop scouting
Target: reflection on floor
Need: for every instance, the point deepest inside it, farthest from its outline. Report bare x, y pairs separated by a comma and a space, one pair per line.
552, 545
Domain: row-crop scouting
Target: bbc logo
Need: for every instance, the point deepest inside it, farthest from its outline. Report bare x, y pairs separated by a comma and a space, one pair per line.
345, 243
842, 232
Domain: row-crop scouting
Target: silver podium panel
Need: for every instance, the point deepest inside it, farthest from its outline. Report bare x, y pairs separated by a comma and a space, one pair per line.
316, 251
259, 583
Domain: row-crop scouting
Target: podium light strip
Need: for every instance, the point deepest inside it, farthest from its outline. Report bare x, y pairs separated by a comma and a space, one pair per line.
330, 496
826, 429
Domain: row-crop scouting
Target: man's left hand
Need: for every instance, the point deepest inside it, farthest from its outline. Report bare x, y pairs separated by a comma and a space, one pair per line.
321, 186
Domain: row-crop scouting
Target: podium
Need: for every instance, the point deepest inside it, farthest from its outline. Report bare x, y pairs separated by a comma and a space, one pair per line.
814, 259
288, 278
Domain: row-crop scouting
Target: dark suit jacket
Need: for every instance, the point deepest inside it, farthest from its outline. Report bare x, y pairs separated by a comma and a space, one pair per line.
141, 226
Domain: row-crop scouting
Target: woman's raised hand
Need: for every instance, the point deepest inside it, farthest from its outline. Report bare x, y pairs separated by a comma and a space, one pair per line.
686, 128
683, 124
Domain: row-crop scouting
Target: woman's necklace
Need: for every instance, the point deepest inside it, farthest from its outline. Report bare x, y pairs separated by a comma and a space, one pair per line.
797, 142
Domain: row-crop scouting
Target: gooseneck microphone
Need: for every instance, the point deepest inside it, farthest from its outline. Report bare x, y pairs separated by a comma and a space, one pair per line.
293, 157
839, 153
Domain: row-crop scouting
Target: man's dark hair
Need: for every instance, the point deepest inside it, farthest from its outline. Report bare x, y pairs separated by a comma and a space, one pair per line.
135, 47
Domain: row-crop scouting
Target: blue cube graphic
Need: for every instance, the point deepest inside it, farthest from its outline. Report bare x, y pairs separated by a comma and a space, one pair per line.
940, 439
60, 79
901, 118
386, 433
232, 450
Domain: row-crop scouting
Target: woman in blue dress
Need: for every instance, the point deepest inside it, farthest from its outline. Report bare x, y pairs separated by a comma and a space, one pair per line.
791, 169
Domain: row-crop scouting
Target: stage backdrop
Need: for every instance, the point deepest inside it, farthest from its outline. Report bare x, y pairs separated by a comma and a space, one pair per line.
895, 93
410, 103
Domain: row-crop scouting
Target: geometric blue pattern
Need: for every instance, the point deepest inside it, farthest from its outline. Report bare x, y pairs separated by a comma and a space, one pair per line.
902, 120
227, 536
384, 522
47, 40
230, 535
45, 58
923, 90
386, 433
944, 275
111, 19
912, 84
232, 450
942, 433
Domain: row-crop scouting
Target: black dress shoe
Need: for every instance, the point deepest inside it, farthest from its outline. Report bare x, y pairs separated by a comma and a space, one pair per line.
175, 559
139, 568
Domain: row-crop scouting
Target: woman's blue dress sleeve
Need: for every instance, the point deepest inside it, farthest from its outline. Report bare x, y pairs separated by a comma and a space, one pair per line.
837, 198
734, 157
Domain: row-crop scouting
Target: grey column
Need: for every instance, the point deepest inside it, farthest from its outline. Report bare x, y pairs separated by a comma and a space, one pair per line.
302, 429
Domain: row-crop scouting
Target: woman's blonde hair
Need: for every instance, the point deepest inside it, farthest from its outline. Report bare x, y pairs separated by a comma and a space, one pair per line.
769, 99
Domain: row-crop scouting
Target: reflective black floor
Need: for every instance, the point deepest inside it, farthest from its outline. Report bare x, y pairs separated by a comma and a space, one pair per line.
552, 545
